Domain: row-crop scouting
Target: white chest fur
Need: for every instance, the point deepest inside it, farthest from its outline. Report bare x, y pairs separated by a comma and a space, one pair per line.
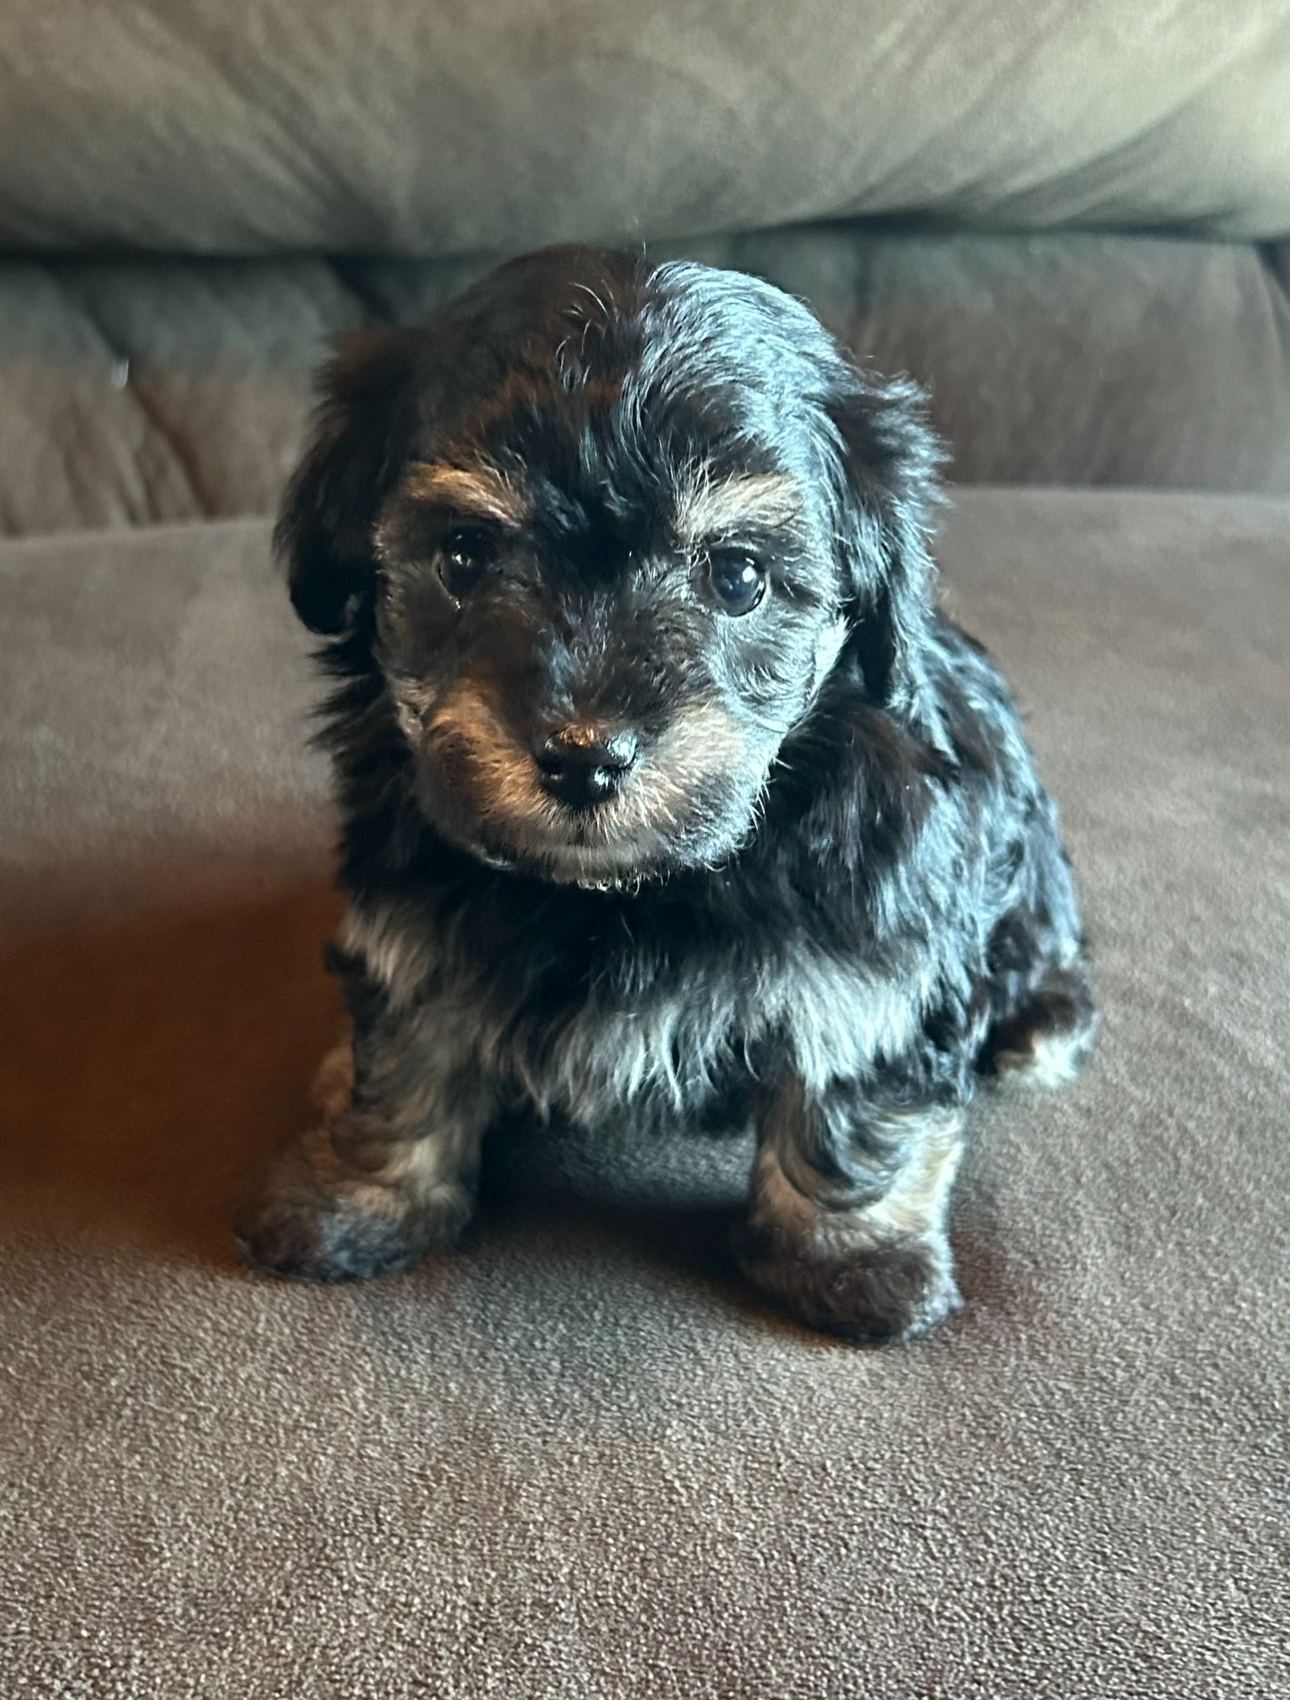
665, 1052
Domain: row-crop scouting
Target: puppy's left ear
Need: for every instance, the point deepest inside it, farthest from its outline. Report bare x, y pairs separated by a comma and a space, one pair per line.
364, 433
887, 495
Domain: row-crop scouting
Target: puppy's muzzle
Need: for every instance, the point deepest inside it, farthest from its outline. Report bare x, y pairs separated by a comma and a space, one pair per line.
583, 765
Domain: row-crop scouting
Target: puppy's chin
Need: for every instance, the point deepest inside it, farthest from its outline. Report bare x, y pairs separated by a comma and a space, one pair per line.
601, 849
689, 804
624, 869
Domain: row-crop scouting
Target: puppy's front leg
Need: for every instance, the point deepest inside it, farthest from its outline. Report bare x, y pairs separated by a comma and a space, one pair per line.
846, 1225
388, 1168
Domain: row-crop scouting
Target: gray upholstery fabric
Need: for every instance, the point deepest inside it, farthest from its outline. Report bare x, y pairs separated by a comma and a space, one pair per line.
153, 390
578, 1460
397, 126
414, 144
144, 391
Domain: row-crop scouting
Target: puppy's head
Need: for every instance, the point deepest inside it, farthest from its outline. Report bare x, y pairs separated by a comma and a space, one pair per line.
611, 528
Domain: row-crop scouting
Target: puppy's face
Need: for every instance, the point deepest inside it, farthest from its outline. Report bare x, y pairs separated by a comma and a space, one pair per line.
606, 578
595, 673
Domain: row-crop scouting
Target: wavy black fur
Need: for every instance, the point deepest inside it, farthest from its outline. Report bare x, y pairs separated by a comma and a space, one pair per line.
858, 903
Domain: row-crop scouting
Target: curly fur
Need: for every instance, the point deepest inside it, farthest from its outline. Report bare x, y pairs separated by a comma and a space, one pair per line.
831, 891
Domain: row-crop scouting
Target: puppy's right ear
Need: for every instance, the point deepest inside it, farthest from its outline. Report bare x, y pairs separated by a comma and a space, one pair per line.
364, 433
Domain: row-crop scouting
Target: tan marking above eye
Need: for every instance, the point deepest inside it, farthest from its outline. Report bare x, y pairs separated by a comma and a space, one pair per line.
481, 491
708, 510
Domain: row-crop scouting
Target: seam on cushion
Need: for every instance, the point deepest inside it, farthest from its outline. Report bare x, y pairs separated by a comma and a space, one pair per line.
1276, 262
1278, 306
186, 458
123, 355
118, 353
375, 308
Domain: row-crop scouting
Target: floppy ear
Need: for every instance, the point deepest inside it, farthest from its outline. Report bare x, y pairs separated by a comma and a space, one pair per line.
364, 432
888, 491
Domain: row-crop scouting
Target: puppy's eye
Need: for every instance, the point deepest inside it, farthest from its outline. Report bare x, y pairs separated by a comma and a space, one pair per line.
464, 557
737, 580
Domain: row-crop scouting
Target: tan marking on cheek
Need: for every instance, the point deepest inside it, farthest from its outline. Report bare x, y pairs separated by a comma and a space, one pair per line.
481, 490
505, 780
707, 510
704, 740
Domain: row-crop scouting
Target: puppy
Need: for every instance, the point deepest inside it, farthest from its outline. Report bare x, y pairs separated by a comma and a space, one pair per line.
667, 793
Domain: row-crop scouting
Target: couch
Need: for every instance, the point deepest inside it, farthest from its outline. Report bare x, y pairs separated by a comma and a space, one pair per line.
579, 1458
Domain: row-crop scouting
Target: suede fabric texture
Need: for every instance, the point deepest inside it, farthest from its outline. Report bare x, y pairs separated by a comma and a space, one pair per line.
244, 126
579, 1459
151, 390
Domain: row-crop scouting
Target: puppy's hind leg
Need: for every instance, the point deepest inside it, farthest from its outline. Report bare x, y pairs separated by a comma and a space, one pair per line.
1045, 1041
1043, 1016
386, 1171
846, 1225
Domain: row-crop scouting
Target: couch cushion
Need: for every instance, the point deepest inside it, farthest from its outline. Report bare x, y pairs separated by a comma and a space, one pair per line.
238, 126
578, 1459
156, 390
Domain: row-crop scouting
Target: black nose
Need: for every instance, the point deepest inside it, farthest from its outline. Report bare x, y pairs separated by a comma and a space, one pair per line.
582, 765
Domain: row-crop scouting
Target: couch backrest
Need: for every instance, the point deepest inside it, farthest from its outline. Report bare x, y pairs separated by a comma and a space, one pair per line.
431, 127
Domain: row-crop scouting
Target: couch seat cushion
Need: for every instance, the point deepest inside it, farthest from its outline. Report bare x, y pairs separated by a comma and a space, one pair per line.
578, 1459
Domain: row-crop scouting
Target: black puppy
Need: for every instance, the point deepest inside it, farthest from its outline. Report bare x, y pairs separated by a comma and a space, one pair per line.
667, 794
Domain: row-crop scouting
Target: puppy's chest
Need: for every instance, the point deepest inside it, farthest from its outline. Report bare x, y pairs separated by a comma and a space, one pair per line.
669, 1050
676, 1036
697, 1040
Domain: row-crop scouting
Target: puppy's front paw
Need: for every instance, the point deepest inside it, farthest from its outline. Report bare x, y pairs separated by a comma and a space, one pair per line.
308, 1236
313, 1226
892, 1290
